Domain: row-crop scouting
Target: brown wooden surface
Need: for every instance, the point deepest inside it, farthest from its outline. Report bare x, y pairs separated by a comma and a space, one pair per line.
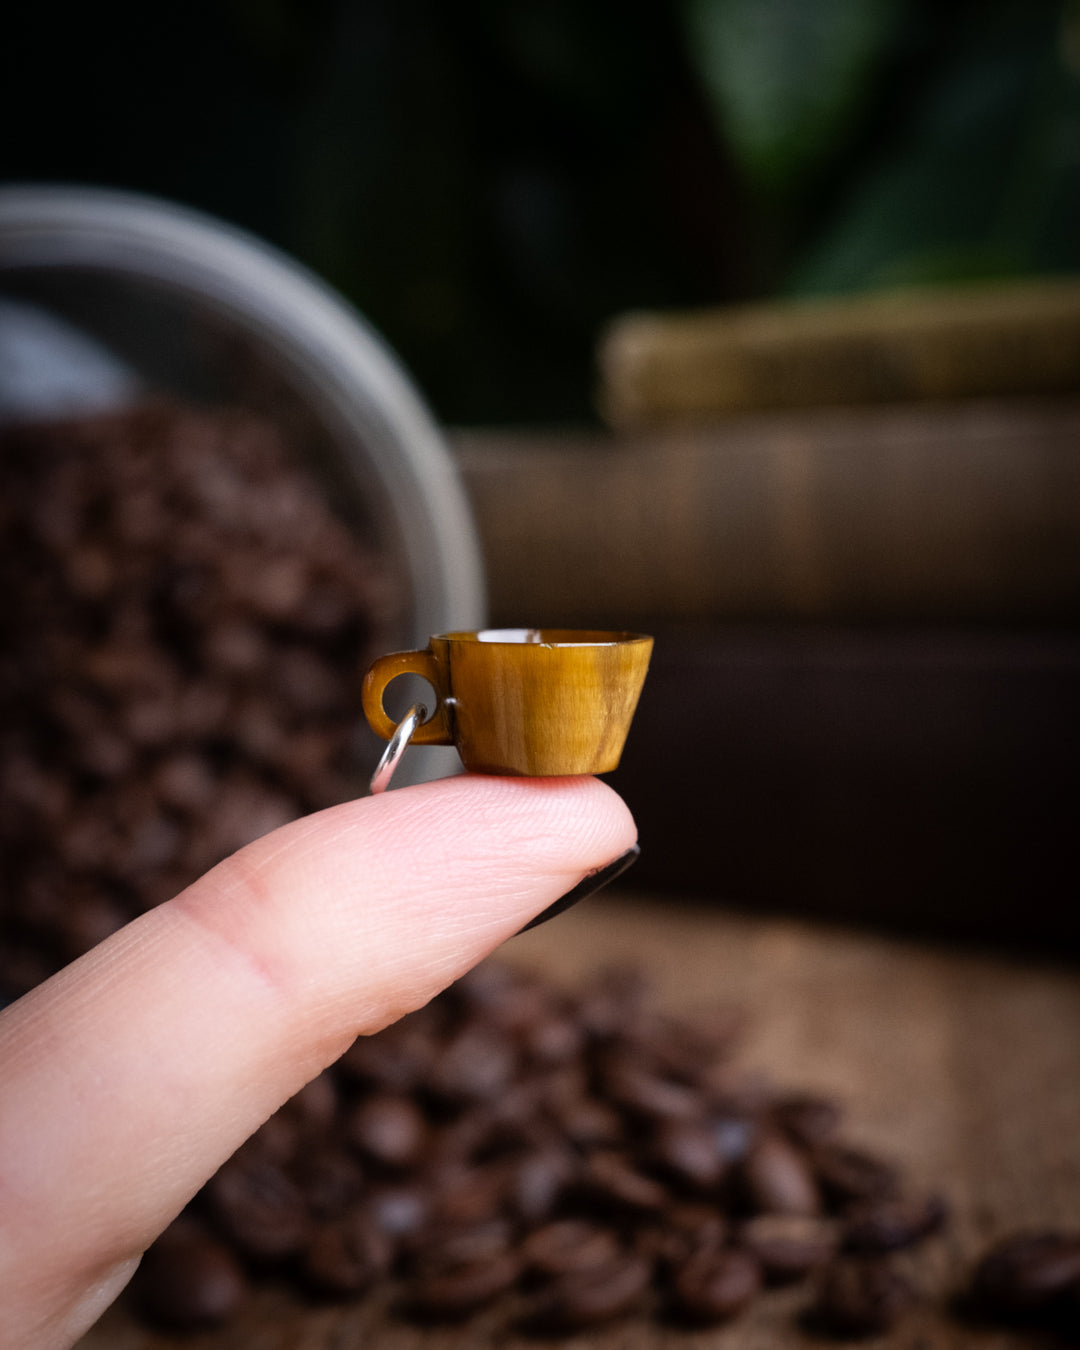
964, 1068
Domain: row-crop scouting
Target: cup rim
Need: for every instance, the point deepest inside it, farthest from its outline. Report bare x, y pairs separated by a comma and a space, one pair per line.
545, 637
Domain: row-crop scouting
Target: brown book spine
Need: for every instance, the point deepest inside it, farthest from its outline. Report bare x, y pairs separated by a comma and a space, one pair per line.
967, 511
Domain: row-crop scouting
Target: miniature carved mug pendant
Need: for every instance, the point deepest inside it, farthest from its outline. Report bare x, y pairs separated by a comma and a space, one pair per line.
534, 702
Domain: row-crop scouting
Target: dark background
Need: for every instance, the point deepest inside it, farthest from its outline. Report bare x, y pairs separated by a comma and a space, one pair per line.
490, 181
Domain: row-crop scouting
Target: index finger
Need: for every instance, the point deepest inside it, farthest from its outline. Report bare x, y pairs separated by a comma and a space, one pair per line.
132, 1075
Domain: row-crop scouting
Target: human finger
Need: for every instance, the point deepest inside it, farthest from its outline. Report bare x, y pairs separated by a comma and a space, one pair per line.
129, 1077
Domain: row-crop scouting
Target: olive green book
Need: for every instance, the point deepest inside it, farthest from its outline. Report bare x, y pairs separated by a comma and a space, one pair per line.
941, 343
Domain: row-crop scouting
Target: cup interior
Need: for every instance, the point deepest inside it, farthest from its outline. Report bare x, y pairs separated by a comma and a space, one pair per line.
545, 637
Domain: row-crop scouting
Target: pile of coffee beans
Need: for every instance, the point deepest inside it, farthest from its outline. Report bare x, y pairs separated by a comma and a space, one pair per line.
1030, 1279
183, 630
562, 1159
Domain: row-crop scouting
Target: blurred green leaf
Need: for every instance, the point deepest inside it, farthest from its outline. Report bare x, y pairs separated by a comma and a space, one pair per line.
983, 182
786, 77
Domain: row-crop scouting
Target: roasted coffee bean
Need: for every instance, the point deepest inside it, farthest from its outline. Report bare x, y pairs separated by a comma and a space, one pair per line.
690, 1052
614, 1005
735, 1136
276, 1141
511, 1123
1027, 1273
715, 1284
331, 1180
536, 1182
705, 1221
184, 781
737, 1095
388, 1129
554, 1039
276, 590
22, 966
467, 1195
1067, 1311
497, 996
236, 646
788, 1246
648, 1095
347, 1257
587, 1123
458, 1290
397, 1063
688, 1154
848, 1175
401, 1212
314, 1107
892, 1224
104, 754
611, 1180
188, 1281
464, 1244
681, 1231
588, 1298
861, 1297
570, 1245
306, 682
777, 1179
259, 1208
460, 1141
90, 919
807, 1120
475, 1065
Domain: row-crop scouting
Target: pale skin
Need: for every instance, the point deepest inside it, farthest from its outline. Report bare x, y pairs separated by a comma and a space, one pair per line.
129, 1077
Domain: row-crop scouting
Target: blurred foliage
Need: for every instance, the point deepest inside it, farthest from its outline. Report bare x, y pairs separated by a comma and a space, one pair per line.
788, 78
489, 182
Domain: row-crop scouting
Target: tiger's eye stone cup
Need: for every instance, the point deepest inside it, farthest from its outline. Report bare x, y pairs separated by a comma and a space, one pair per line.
530, 702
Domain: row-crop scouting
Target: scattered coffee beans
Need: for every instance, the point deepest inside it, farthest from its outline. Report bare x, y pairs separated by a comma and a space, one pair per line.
778, 1180
347, 1257
889, 1225
861, 1297
1030, 1277
188, 1280
579, 1299
715, 1284
562, 1160
788, 1246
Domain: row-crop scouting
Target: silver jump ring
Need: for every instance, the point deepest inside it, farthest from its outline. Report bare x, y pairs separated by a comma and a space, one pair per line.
396, 747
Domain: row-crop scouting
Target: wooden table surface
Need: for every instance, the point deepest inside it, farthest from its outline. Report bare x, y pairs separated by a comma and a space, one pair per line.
964, 1068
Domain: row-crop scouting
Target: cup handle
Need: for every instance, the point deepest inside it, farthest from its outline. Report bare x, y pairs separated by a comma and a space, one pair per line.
436, 730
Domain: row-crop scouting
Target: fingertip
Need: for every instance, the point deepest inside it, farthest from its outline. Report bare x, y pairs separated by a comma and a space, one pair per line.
397, 894
550, 815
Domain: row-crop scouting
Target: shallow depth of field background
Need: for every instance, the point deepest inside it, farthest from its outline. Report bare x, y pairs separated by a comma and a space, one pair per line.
489, 182
492, 183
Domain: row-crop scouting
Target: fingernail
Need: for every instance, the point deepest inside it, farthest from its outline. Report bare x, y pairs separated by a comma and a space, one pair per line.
588, 885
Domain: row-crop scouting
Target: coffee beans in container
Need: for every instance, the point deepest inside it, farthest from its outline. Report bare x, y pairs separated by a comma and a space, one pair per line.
183, 630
